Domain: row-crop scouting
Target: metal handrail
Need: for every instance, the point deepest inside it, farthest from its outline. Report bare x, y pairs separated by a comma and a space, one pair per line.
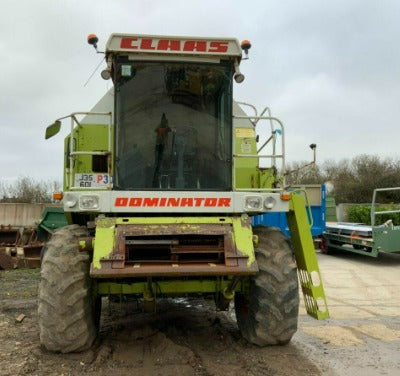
73, 153
273, 134
249, 105
254, 120
373, 204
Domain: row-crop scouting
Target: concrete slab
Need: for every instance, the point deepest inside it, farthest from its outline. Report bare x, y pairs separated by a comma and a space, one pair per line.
362, 337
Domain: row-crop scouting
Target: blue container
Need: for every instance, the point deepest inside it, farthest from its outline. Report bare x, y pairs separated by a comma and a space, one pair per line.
279, 219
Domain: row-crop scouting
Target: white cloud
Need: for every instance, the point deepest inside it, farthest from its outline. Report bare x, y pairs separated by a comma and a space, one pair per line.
329, 70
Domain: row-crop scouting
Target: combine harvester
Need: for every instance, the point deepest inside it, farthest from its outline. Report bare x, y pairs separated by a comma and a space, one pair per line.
160, 182
363, 239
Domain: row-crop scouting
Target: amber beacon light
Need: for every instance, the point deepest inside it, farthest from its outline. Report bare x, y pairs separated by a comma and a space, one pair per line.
246, 45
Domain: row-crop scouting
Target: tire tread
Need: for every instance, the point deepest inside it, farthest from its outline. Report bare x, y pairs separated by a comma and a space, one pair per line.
273, 300
65, 307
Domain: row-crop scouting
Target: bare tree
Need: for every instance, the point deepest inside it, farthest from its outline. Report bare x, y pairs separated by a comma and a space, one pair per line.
27, 190
355, 179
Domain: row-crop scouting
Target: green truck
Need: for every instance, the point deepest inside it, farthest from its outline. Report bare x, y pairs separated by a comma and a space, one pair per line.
364, 239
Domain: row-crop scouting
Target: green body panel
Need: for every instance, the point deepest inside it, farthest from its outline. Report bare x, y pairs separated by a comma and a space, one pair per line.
245, 168
103, 243
105, 232
167, 287
307, 263
384, 239
53, 217
266, 177
247, 171
330, 208
87, 137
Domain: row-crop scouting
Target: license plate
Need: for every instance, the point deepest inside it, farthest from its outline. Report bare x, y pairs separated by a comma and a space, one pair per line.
92, 180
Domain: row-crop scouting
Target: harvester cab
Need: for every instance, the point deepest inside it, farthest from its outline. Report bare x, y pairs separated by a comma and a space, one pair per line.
161, 179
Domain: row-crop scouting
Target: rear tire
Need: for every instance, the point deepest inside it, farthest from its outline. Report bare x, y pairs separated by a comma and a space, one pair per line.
268, 314
327, 250
68, 312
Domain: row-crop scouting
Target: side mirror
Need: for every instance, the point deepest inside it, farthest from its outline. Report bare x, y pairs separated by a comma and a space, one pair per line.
53, 129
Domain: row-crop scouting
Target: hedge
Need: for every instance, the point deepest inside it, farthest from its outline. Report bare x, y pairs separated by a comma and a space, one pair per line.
362, 214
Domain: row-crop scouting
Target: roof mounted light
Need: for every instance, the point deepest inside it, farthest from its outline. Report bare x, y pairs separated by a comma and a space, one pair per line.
238, 76
105, 74
92, 39
246, 45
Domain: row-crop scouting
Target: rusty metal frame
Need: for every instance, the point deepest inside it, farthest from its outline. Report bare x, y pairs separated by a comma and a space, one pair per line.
116, 265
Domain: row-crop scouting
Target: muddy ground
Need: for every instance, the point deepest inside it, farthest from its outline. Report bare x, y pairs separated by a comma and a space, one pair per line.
184, 338
187, 337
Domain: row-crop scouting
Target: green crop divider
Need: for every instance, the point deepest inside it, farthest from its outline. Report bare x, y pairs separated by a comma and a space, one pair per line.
307, 263
53, 218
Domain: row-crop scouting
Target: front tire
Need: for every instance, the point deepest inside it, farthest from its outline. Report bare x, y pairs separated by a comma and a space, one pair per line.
268, 313
68, 318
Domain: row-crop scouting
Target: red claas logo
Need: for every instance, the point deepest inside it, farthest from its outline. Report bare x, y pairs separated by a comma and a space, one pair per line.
149, 44
182, 202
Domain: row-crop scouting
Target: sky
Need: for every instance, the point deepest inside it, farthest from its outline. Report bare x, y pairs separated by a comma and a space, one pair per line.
330, 70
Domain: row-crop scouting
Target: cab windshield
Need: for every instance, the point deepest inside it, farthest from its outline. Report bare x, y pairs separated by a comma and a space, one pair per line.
173, 126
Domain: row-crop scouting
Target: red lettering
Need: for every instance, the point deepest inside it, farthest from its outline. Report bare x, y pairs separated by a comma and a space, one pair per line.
191, 45
128, 43
187, 201
121, 201
173, 201
173, 45
166, 44
224, 202
210, 202
218, 47
135, 201
147, 44
150, 201
99, 178
198, 201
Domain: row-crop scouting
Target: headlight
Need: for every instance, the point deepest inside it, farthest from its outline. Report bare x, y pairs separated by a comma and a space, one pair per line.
70, 200
269, 203
253, 203
89, 202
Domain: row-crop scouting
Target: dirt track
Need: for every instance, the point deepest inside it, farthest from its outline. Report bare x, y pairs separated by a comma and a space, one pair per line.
185, 338
190, 338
